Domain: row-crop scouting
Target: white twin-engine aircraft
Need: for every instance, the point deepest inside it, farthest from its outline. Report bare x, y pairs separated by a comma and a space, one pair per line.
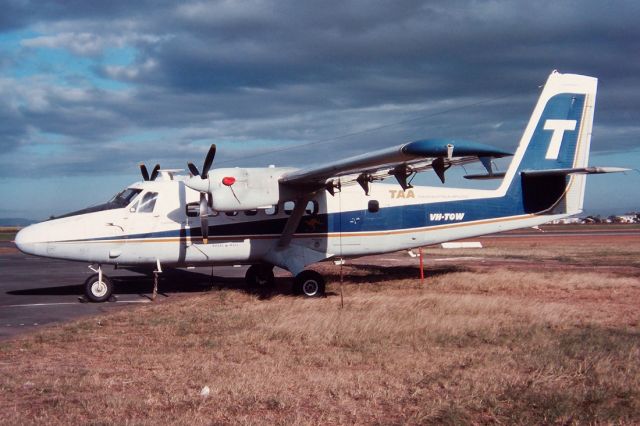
291, 218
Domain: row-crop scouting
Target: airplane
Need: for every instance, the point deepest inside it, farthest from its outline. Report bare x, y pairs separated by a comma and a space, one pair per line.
292, 218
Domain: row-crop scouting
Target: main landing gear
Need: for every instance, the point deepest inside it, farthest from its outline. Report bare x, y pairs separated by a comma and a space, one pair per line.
306, 283
309, 284
260, 277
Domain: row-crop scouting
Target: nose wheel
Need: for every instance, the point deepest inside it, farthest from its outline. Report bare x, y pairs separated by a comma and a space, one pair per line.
309, 284
97, 289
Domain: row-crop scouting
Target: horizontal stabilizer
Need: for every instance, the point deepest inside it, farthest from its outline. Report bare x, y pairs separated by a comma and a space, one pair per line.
577, 170
485, 177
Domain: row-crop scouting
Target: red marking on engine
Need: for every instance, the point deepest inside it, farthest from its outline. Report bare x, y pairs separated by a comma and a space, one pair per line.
228, 181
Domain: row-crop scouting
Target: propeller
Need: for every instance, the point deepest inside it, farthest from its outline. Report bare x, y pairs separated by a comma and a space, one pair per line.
145, 173
204, 217
208, 161
202, 185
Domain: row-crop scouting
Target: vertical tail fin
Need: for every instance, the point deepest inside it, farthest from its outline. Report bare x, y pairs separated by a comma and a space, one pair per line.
558, 136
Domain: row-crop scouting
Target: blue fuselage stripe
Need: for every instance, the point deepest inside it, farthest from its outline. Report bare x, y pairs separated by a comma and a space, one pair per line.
396, 218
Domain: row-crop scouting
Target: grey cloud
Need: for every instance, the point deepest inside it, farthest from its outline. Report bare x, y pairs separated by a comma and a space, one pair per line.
297, 72
13, 130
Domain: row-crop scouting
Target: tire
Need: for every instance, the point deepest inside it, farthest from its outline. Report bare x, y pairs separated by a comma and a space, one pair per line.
96, 291
309, 284
260, 277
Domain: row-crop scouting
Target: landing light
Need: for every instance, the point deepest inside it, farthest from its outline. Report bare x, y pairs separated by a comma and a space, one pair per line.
228, 181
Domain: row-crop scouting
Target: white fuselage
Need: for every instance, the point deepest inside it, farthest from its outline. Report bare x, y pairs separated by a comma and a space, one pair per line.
128, 237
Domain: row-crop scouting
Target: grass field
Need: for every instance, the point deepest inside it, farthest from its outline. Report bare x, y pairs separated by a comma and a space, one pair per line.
486, 341
8, 233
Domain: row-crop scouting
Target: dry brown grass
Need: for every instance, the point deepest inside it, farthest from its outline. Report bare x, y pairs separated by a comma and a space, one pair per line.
596, 253
491, 345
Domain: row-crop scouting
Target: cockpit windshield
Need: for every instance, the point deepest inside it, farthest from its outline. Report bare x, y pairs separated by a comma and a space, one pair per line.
123, 198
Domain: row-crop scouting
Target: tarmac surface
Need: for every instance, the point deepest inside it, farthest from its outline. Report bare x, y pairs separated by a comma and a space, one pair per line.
37, 291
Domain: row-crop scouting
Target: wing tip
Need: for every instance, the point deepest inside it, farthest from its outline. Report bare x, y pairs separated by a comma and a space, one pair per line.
461, 148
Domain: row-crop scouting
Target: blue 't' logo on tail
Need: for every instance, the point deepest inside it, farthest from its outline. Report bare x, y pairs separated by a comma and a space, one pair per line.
554, 141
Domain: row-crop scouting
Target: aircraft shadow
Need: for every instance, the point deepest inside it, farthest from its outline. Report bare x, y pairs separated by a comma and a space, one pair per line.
171, 281
184, 281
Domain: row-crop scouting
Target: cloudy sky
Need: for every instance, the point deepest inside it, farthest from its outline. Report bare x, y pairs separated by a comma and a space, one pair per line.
90, 89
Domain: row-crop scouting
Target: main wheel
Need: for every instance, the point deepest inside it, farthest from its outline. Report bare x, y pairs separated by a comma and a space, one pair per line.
96, 290
260, 277
309, 284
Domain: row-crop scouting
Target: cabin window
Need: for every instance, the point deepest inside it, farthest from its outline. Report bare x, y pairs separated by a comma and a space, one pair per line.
270, 211
312, 207
373, 206
233, 213
289, 206
252, 212
148, 202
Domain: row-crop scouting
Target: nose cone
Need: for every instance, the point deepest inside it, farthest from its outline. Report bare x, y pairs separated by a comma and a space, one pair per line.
26, 239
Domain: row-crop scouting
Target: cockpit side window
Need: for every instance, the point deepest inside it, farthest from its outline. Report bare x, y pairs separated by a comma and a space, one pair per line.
148, 202
123, 198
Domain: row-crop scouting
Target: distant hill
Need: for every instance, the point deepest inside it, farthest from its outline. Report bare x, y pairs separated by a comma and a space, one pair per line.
15, 221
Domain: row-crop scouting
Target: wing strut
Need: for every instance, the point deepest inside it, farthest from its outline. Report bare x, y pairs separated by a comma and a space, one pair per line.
294, 220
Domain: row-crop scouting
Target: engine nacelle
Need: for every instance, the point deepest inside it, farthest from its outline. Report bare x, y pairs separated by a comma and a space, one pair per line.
244, 188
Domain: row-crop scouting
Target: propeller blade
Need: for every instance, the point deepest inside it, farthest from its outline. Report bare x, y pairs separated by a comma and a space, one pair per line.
143, 170
193, 169
208, 161
154, 172
204, 218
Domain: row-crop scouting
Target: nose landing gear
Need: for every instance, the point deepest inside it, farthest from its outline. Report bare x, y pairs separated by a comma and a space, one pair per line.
98, 288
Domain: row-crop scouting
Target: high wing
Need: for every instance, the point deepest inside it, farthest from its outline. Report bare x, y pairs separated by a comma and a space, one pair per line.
400, 161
